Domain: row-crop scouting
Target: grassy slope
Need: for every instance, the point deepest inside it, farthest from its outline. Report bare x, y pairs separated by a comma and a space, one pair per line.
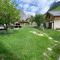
26, 45
57, 8
54, 34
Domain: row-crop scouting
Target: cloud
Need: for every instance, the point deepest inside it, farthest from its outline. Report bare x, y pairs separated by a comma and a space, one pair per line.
57, 0
44, 10
27, 1
35, 6
29, 13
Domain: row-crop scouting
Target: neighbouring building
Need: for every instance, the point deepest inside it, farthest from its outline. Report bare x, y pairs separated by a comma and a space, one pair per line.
24, 18
53, 19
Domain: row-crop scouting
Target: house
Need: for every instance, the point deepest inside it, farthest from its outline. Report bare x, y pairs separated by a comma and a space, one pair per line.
53, 16
53, 19
24, 18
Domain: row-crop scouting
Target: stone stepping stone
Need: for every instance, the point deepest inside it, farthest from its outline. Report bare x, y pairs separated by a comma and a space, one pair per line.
50, 38
40, 34
34, 32
49, 49
56, 41
45, 54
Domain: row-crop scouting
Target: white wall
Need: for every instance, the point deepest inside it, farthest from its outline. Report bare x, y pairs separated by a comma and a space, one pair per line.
52, 25
56, 24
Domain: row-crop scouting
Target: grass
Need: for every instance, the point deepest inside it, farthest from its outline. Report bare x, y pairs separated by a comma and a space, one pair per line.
53, 33
25, 45
56, 8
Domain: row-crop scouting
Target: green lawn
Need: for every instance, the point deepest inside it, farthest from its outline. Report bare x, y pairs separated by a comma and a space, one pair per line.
53, 33
23, 45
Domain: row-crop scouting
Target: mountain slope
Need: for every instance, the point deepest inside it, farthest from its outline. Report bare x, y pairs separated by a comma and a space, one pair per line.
55, 6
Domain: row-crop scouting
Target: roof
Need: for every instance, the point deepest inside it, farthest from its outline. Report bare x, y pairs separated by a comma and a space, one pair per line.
54, 13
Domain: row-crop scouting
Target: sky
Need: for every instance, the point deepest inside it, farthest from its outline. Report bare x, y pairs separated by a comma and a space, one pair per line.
33, 7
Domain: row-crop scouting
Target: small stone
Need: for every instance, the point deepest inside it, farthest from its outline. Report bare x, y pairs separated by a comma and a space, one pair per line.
45, 54
50, 38
49, 49
56, 41
16, 28
59, 58
40, 35
34, 32
55, 44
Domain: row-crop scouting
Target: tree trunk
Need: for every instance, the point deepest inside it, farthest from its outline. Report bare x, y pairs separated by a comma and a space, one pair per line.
6, 27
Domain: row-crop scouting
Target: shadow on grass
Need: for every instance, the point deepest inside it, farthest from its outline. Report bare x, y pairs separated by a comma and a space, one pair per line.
36, 27
4, 32
6, 54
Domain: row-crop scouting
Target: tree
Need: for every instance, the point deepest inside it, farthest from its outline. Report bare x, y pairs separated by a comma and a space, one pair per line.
8, 12
39, 19
32, 19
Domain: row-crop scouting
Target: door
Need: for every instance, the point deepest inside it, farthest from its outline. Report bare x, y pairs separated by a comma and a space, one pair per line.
50, 25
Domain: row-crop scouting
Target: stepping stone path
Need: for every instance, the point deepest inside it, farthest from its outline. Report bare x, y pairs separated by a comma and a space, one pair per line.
43, 34
50, 38
34, 32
